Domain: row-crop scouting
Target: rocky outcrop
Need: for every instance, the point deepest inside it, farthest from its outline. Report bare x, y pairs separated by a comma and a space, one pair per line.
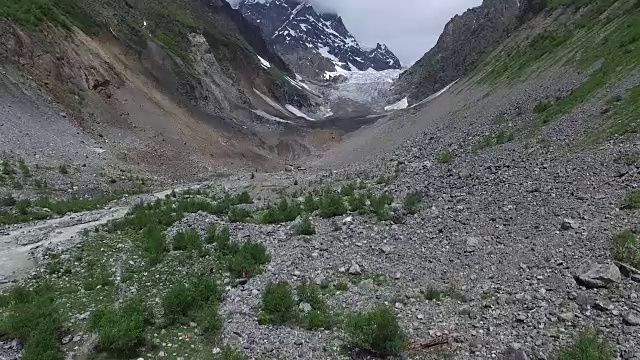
314, 43
466, 40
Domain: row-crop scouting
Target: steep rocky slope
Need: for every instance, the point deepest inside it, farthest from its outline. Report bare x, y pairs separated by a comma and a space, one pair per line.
314, 43
465, 42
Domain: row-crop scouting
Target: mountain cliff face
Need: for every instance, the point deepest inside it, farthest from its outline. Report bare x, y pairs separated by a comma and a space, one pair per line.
314, 43
466, 40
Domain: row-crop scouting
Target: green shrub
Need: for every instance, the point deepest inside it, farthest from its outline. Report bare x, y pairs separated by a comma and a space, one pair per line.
209, 320
228, 354
8, 201
381, 205
184, 302
187, 240
348, 189
625, 248
341, 286
377, 331
121, 331
98, 278
248, 260
587, 347
310, 293
412, 202
7, 168
243, 198
305, 227
444, 157
332, 204
32, 316
154, 244
238, 214
632, 200
310, 203
282, 213
62, 169
278, 306
222, 239
433, 294
24, 169
318, 319
542, 106
357, 203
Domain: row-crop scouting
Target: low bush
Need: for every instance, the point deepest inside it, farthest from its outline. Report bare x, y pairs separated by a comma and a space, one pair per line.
243, 198
98, 278
7, 201
281, 213
305, 227
248, 260
632, 200
444, 157
310, 204
24, 169
209, 320
278, 305
542, 106
625, 248
412, 202
332, 204
154, 244
121, 331
185, 302
380, 205
377, 331
33, 317
348, 189
238, 214
187, 240
62, 169
587, 347
357, 203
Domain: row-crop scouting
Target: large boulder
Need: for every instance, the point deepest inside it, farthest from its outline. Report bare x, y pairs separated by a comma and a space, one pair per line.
599, 276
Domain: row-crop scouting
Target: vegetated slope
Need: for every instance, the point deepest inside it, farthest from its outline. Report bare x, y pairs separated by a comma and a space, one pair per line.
465, 42
165, 86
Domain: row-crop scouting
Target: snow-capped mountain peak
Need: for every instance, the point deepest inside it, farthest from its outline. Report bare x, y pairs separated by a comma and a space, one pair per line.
314, 43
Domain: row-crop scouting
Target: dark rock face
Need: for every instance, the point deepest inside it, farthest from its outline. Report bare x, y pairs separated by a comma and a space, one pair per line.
465, 42
313, 43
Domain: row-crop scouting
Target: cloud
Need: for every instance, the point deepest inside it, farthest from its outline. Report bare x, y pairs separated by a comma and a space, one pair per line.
409, 27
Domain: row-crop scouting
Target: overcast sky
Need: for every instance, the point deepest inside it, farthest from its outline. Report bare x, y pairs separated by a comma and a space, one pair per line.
409, 27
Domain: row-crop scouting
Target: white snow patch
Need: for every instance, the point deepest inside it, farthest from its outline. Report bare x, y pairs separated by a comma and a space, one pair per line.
274, 104
402, 104
328, 75
298, 113
270, 117
436, 94
265, 64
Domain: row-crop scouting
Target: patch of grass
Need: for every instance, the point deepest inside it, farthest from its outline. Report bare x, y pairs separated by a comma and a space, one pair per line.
187, 240
64, 13
278, 305
632, 200
341, 286
243, 198
24, 169
209, 320
319, 317
332, 204
445, 157
99, 278
587, 347
310, 204
412, 202
239, 214
63, 169
121, 331
377, 331
7, 168
227, 354
348, 189
433, 294
305, 227
625, 248
542, 106
488, 141
384, 180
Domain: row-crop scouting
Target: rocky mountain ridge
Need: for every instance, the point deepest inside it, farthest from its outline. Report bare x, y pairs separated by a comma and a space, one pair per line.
465, 42
314, 43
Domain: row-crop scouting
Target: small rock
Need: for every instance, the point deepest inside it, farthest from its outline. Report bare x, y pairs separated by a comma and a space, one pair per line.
305, 307
472, 244
355, 269
569, 224
632, 319
298, 342
348, 220
568, 317
515, 354
84, 316
420, 317
66, 340
600, 276
385, 249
